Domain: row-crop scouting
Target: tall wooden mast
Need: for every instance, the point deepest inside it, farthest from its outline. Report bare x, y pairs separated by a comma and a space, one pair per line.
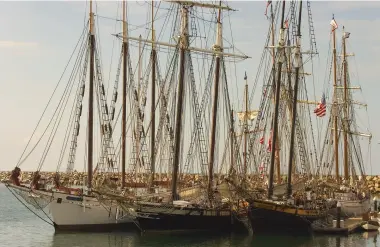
232, 138
139, 79
124, 110
245, 124
280, 51
335, 110
181, 81
217, 47
91, 101
153, 105
297, 65
277, 154
345, 111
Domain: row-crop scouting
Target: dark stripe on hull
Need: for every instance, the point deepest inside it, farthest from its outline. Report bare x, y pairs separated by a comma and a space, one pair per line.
126, 226
264, 220
167, 222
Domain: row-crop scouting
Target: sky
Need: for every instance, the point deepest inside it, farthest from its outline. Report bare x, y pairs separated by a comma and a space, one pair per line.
37, 38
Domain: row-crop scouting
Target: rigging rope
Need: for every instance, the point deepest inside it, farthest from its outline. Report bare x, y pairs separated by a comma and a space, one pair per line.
21, 161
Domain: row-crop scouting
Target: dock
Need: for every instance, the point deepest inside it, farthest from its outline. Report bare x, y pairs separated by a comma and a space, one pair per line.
350, 225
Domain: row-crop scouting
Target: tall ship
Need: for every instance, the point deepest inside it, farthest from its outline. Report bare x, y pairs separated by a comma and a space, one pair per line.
282, 135
343, 165
197, 196
59, 202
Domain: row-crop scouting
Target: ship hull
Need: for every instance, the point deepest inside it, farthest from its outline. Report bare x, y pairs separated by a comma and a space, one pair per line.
268, 217
186, 219
75, 213
86, 215
353, 208
356, 207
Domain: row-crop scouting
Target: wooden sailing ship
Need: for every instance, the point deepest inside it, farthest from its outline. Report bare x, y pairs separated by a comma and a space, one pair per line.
201, 206
79, 209
293, 207
352, 193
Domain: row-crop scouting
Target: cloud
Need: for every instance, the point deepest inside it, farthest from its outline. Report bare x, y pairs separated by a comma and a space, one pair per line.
16, 44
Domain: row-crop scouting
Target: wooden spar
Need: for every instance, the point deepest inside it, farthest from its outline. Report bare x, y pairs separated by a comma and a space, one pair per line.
194, 49
153, 107
217, 47
297, 65
138, 122
335, 110
180, 96
289, 73
278, 162
91, 102
245, 126
281, 44
345, 111
232, 139
124, 98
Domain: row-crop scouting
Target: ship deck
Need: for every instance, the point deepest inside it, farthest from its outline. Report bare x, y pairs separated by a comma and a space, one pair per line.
351, 225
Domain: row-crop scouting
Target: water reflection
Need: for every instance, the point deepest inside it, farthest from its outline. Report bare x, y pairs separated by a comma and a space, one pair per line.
208, 240
371, 238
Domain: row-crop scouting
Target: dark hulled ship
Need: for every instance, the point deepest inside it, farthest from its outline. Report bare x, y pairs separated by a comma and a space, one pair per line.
292, 212
205, 210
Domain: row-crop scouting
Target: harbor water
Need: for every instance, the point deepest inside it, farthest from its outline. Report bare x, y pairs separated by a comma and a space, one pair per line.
19, 227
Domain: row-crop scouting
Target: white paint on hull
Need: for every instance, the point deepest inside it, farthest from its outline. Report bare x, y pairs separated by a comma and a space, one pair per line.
369, 227
88, 212
71, 213
355, 207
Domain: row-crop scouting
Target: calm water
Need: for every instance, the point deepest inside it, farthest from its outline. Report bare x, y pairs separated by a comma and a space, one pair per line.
20, 228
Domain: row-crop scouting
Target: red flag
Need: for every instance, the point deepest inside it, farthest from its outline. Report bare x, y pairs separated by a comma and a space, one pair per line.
286, 24
262, 140
261, 170
269, 148
266, 9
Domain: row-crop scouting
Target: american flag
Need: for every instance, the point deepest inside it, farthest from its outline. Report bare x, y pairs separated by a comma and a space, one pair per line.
320, 111
333, 24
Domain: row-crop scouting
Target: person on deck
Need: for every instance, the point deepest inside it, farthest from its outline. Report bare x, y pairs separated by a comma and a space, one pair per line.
15, 176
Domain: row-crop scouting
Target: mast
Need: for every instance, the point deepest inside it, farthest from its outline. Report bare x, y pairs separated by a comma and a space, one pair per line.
124, 111
336, 147
91, 101
138, 134
277, 101
345, 121
297, 65
217, 47
153, 110
178, 121
245, 125
232, 138
278, 162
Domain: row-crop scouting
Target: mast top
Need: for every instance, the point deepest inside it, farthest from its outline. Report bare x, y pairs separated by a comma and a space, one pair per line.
91, 19
204, 5
125, 26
